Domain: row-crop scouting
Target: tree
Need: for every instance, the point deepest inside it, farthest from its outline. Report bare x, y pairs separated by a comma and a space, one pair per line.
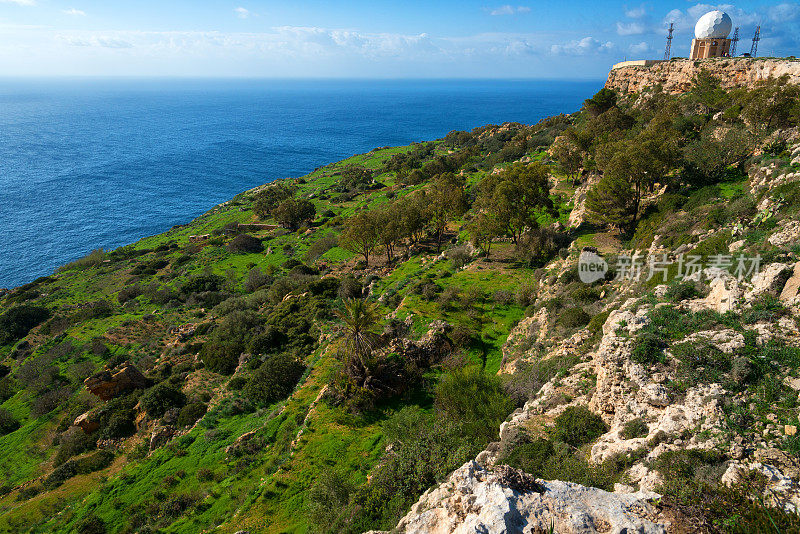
412, 217
160, 398
446, 200
601, 102
270, 197
360, 235
612, 201
390, 230
360, 318
483, 229
354, 177
293, 212
274, 380
16, 322
516, 196
568, 156
630, 169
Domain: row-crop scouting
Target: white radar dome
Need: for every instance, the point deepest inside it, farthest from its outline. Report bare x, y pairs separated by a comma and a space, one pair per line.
713, 25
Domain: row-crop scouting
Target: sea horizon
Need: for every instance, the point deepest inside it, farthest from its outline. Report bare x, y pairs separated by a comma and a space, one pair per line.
111, 160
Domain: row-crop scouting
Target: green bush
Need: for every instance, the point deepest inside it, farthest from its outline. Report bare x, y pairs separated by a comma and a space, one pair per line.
245, 244
91, 524
8, 423
202, 283
574, 318
160, 398
191, 413
648, 348
682, 291
635, 428
274, 380
472, 400
764, 308
16, 322
577, 426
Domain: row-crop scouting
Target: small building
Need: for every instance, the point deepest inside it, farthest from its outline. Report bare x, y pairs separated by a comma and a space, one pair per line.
711, 36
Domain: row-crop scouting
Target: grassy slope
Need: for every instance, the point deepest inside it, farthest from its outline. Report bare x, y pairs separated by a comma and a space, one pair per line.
265, 493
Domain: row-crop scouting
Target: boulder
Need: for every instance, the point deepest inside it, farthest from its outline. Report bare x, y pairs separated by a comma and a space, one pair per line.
88, 422
108, 384
476, 499
770, 280
792, 287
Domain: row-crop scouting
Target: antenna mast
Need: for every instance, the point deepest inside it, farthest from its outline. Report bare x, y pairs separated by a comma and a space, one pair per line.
734, 41
756, 39
668, 51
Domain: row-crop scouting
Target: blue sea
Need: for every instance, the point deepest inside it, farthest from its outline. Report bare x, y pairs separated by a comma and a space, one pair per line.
88, 164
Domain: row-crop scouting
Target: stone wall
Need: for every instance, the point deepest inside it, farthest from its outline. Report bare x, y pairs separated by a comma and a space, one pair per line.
675, 76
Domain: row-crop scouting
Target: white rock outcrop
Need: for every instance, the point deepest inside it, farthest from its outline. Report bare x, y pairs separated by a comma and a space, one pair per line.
478, 500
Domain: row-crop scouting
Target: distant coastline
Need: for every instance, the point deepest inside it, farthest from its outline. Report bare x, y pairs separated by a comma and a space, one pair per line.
100, 164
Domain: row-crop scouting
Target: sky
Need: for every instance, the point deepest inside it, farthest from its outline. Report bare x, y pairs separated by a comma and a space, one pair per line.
550, 39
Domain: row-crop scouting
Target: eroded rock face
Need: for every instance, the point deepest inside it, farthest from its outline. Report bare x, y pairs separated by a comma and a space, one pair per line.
88, 422
476, 499
675, 76
108, 384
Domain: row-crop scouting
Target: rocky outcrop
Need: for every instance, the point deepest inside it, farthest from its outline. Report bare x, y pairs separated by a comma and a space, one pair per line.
88, 422
675, 76
108, 384
477, 499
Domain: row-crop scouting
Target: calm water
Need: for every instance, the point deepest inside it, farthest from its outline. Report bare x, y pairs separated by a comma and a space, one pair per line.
101, 163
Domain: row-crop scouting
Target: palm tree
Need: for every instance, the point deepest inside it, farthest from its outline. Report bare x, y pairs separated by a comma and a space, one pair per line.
360, 319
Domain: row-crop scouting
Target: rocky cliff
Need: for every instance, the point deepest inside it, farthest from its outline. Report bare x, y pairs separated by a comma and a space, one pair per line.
675, 76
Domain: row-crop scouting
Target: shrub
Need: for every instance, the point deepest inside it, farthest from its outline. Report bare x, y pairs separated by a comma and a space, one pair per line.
202, 282
256, 279
120, 424
764, 308
16, 322
635, 428
293, 212
473, 401
160, 398
8, 423
538, 246
682, 291
91, 524
72, 442
269, 342
648, 348
577, 426
245, 244
191, 413
574, 318
274, 380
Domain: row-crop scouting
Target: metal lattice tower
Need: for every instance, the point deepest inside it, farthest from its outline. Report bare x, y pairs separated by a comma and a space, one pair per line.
668, 51
734, 41
756, 39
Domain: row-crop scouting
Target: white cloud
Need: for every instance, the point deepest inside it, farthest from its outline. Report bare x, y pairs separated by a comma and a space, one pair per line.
510, 10
636, 12
242, 12
640, 48
631, 28
74, 12
582, 47
99, 41
784, 12
20, 2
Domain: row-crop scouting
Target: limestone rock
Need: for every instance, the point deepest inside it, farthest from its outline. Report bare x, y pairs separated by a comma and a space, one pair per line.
676, 75
475, 499
87, 422
792, 287
769, 280
108, 384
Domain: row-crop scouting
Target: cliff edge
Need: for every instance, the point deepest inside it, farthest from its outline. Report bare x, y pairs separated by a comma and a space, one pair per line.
675, 76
